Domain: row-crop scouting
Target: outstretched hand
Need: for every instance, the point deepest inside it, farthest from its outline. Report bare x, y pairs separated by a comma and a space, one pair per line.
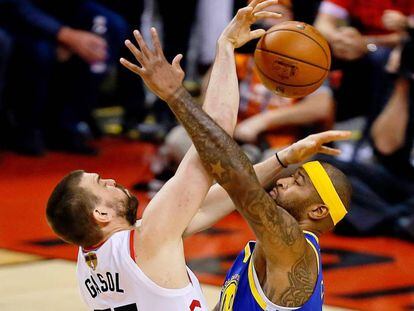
161, 77
238, 31
311, 145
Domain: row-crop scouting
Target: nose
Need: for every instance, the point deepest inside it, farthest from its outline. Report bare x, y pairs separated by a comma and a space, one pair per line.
283, 183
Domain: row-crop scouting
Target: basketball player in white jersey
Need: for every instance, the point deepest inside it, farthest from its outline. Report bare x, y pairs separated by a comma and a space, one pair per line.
122, 267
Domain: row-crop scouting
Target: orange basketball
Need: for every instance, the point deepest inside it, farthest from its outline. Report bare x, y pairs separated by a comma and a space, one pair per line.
292, 59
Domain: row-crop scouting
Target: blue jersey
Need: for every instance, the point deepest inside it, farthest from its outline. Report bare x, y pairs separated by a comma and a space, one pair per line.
242, 291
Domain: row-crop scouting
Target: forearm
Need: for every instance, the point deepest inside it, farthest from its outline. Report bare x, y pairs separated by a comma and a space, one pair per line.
311, 109
228, 164
222, 96
221, 155
328, 25
221, 104
390, 40
221, 101
218, 204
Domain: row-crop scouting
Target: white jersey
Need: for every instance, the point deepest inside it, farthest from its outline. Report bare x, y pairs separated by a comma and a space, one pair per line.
110, 280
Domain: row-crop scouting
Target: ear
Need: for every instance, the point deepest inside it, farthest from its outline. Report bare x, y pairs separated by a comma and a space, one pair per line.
102, 214
318, 212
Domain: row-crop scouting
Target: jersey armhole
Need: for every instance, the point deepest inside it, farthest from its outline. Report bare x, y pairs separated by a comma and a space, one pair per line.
131, 244
315, 252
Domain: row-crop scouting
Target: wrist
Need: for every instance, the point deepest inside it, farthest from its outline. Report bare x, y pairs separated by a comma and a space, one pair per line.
172, 93
281, 157
225, 42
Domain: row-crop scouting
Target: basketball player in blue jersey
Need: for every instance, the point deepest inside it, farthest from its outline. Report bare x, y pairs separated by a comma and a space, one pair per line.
282, 269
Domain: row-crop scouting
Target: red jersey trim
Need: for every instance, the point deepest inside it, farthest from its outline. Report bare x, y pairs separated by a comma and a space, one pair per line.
131, 244
92, 248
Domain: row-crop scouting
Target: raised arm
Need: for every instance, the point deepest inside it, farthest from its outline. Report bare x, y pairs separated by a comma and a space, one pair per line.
221, 101
169, 213
218, 204
227, 163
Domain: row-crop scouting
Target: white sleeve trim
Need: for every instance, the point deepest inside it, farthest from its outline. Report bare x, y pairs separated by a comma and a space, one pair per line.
333, 9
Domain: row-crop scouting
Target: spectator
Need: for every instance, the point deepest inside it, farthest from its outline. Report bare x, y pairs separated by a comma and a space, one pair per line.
393, 130
176, 39
177, 19
54, 50
361, 46
129, 90
383, 198
212, 18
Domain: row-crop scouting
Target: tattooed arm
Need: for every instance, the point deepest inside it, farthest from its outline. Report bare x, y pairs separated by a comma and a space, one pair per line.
221, 156
228, 164
218, 204
276, 230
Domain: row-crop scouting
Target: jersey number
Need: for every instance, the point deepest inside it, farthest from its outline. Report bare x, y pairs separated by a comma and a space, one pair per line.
131, 307
195, 304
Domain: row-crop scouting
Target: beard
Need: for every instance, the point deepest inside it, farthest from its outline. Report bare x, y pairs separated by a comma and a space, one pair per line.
291, 206
130, 209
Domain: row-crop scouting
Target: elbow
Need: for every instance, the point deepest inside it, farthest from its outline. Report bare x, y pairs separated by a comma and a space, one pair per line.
387, 145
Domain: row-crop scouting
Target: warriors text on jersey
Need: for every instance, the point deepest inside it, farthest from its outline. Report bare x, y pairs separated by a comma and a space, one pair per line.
110, 280
242, 290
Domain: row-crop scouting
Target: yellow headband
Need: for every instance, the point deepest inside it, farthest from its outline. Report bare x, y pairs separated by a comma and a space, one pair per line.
326, 190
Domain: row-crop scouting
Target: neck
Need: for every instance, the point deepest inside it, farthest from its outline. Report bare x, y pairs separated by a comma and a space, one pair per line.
111, 229
305, 225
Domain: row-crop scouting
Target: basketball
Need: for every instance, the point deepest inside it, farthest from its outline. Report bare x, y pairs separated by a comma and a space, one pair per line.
292, 59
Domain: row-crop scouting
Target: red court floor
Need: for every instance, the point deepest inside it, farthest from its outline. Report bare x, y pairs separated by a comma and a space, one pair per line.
372, 274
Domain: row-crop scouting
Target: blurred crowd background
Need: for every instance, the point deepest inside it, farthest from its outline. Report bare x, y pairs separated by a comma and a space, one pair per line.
62, 88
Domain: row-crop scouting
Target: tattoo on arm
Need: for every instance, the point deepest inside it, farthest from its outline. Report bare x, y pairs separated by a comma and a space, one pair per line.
228, 164
301, 284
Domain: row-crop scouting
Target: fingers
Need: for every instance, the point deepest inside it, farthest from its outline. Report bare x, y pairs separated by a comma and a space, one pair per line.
257, 33
176, 63
156, 42
142, 45
264, 4
134, 50
329, 136
244, 11
265, 14
329, 151
177, 67
134, 68
253, 3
